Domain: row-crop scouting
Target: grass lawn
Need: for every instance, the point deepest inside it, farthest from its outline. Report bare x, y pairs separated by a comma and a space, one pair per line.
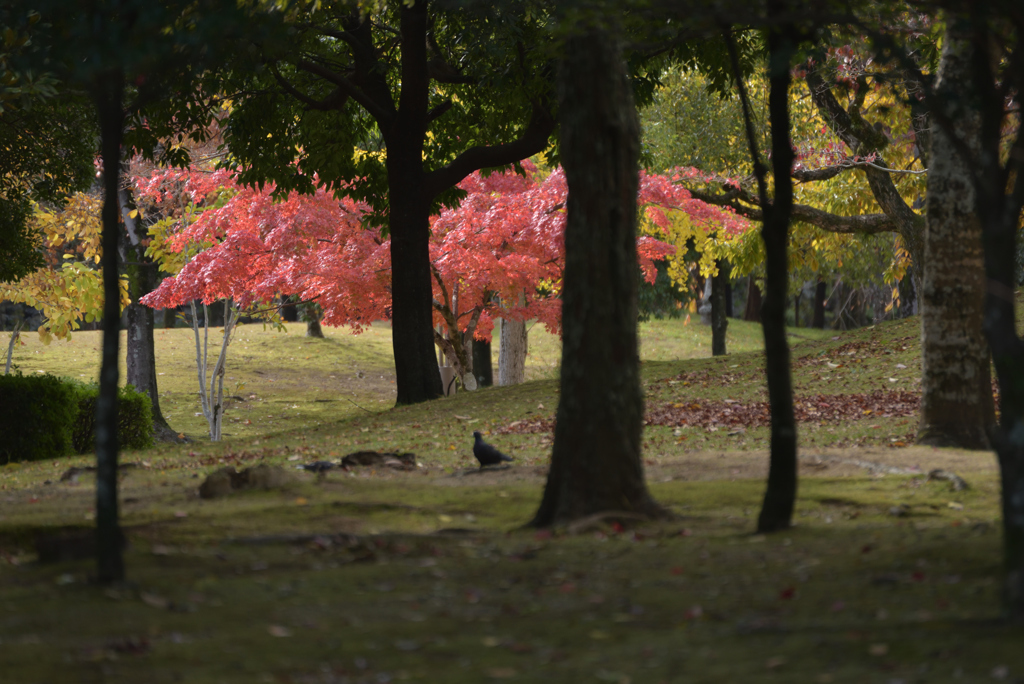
428, 576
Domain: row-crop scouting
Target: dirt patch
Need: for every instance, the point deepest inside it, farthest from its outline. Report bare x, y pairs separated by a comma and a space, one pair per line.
739, 465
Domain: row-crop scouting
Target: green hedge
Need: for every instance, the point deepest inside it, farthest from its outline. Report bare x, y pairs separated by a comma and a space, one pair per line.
36, 414
43, 416
134, 418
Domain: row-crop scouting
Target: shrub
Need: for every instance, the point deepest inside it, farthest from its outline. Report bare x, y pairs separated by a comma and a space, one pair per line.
134, 418
36, 415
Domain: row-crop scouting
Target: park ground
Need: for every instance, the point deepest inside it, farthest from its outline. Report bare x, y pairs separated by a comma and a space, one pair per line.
378, 575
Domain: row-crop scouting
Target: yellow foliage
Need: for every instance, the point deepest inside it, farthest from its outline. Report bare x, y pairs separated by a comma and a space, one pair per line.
75, 289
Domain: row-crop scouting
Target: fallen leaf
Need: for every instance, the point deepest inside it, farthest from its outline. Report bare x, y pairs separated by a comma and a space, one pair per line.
878, 649
154, 600
279, 631
501, 672
775, 662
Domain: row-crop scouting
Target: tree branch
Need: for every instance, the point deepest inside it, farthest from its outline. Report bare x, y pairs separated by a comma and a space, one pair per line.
378, 111
533, 140
870, 224
439, 111
335, 101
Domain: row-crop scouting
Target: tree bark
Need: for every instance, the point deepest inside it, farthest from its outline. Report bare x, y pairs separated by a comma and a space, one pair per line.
311, 313
780, 494
512, 352
595, 463
818, 316
999, 198
752, 310
482, 366
957, 408
719, 317
109, 90
142, 272
289, 309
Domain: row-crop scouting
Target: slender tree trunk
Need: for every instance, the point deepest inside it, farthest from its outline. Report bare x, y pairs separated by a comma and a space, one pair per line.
595, 464
780, 494
818, 316
482, 366
142, 271
512, 353
719, 319
109, 561
728, 291
957, 408
752, 311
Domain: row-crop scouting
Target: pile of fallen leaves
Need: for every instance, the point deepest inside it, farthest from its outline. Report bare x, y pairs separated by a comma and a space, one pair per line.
730, 413
814, 408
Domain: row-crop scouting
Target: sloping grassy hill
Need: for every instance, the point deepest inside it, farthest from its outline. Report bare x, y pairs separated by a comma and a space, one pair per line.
428, 576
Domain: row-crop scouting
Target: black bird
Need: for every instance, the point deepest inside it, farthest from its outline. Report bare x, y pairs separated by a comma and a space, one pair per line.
319, 467
485, 453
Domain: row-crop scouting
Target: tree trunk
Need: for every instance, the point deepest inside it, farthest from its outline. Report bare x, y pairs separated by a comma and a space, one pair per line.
482, 366
752, 311
780, 495
109, 561
719, 318
595, 463
170, 317
818, 316
311, 313
957, 408
142, 272
999, 196
289, 309
512, 353
412, 325
728, 291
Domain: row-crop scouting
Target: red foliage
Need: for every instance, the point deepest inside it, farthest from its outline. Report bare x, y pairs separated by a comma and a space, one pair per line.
505, 238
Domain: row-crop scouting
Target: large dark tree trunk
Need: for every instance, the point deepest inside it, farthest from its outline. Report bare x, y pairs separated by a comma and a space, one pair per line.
416, 371
999, 196
719, 313
109, 562
957, 408
412, 327
595, 463
142, 274
780, 495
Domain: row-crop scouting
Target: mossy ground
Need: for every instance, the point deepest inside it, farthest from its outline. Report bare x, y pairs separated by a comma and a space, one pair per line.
429, 576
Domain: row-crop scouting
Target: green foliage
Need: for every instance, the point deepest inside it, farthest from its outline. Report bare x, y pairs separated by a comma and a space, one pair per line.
663, 298
692, 123
18, 253
492, 66
36, 415
45, 416
134, 417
